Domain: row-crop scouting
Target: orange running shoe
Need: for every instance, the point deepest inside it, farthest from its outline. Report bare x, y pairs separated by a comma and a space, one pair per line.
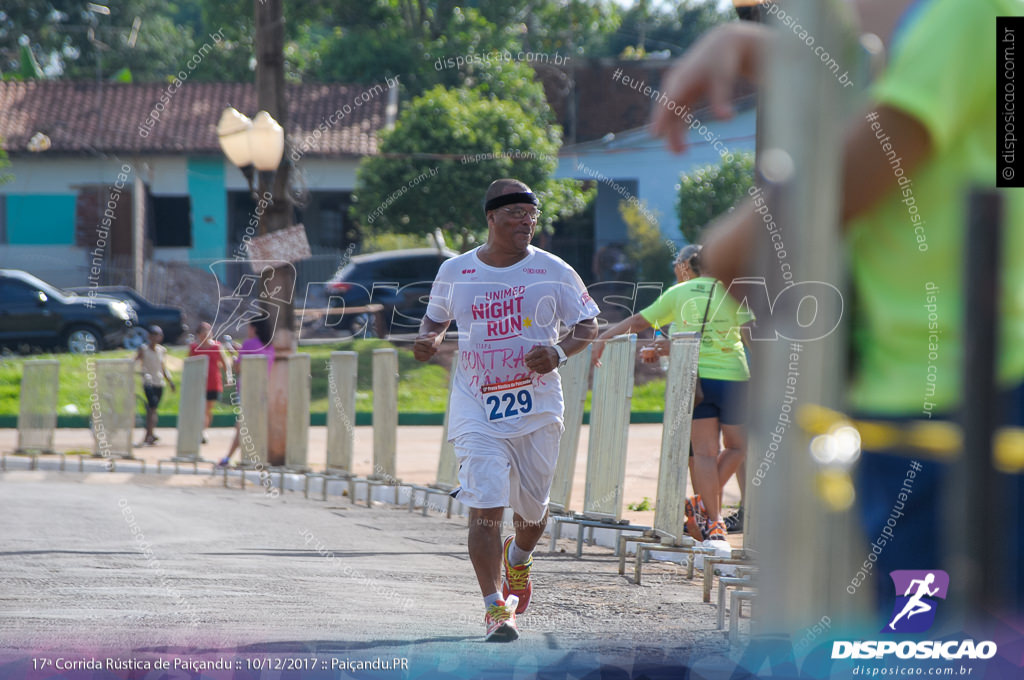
717, 531
500, 620
696, 518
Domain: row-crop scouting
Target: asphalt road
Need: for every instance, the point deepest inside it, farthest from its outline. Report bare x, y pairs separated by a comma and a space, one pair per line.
173, 569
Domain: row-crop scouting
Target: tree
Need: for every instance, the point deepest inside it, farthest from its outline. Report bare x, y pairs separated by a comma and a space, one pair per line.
647, 248
390, 37
444, 150
569, 27
647, 27
707, 192
70, 41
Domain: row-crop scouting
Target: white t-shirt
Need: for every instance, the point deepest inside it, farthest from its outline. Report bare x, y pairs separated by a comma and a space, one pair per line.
501, 314
153, 364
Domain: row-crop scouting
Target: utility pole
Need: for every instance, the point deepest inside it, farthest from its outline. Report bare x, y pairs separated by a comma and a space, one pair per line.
270, 92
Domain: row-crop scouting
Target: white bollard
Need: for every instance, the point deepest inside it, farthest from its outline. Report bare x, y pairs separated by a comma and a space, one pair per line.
609, 429
297, 434
385, 414
341, 411
37, 410
112, 406
191, 407
669, 509
252, 410
574, 391
448, 464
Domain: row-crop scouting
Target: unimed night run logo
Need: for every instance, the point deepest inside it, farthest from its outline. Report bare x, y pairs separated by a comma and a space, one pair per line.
916, 593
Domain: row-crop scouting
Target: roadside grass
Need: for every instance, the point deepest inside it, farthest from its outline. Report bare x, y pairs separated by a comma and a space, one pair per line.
422, 388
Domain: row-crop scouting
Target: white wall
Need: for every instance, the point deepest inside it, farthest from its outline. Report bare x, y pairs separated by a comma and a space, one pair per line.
320, 174
166, 175
58, 265
44, 174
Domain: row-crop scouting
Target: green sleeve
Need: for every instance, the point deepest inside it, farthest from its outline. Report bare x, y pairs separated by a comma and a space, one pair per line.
942, 88
662, 311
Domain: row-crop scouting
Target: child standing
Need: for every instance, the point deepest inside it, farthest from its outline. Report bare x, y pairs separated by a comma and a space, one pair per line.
153, 356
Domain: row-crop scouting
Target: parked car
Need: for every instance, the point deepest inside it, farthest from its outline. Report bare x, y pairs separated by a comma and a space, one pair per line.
168, 318
399, 280
34, 314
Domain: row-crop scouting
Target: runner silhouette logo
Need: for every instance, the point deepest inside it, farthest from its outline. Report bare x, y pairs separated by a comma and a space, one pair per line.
917, 592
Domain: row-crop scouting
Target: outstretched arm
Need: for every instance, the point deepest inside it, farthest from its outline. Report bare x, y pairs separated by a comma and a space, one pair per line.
633, 324
544, 359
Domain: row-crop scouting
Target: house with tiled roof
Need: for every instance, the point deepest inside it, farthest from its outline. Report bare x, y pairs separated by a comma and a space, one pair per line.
85, 157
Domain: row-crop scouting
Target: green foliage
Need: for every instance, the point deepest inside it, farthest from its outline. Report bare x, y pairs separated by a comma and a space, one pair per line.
352, 41
385, 240
448, 146
574, 28
648, 27
387, 39
122, 76
711, 191
29, 68
642, 506
4, 164
68, 41
646, 247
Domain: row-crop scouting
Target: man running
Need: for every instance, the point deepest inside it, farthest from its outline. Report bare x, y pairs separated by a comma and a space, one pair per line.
505, 414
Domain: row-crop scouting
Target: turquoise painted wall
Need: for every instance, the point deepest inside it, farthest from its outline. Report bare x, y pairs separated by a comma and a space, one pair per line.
41, 219
209, 208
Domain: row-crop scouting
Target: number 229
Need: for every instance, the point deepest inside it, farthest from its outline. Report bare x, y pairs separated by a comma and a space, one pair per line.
522, 398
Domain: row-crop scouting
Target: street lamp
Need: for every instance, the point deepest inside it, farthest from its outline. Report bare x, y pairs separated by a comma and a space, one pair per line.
251, 145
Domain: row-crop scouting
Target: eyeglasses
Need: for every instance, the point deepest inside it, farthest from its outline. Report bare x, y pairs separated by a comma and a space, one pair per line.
520, 213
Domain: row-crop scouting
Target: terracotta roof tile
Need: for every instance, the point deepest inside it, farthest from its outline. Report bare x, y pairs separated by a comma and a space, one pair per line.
81, 117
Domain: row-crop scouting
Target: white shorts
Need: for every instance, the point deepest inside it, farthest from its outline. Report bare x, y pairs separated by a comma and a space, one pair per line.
516, 472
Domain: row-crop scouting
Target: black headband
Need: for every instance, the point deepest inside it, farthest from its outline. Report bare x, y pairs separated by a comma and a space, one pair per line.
508, 199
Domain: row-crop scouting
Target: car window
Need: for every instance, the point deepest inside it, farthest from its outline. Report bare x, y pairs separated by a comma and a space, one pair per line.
16, 292
368, 271
394, 270
426, 267
133, 297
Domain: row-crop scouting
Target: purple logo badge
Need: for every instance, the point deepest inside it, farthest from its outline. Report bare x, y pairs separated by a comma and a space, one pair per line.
916, 593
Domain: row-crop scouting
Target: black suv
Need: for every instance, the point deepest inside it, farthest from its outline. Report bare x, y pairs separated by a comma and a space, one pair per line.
34, 314
149, 314
399, 280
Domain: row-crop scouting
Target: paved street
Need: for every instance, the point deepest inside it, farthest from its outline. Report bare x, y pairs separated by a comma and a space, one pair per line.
140, 567
418, 449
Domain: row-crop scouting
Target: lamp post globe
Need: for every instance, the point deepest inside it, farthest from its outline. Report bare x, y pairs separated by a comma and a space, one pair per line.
233, 133
266, 140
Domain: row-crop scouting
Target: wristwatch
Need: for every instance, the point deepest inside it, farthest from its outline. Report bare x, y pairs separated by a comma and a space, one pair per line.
562, 359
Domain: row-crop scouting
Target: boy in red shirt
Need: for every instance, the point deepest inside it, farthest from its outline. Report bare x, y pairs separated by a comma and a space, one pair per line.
216, 363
